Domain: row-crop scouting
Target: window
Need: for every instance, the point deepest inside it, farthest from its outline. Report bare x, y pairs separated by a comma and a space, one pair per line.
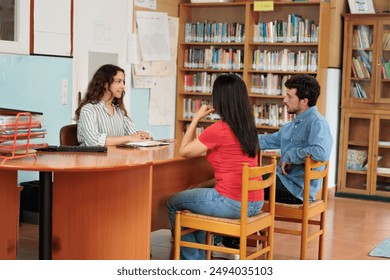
14, 26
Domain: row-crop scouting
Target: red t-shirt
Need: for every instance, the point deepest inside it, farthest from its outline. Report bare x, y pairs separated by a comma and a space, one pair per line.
226, 157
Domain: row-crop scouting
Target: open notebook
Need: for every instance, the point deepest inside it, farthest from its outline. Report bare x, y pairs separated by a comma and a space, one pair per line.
150, 143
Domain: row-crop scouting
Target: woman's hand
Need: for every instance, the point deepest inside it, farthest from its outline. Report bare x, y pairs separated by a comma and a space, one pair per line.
140, 136
203, 111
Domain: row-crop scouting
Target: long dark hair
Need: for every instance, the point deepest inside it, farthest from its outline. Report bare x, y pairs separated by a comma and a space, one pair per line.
104, 75
231, 102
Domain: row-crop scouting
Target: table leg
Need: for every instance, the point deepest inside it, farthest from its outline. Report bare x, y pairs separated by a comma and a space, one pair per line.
45, 215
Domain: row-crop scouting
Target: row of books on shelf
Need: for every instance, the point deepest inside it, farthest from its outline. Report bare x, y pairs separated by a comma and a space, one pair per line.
201, 81
198, 130
214, 58
358, 91
295, 30
386, 39
192, 105
267, 114
385, 69
285, 60
271, 115
214, 32
361, 67
269, 84
362, 37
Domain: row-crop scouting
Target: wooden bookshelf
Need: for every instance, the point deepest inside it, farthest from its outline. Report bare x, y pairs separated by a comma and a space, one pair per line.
365, 104
242, 52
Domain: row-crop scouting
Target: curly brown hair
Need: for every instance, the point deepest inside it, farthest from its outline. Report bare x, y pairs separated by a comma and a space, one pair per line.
104, 75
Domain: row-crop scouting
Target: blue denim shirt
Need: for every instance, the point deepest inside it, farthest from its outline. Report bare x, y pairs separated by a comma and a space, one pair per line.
307, 134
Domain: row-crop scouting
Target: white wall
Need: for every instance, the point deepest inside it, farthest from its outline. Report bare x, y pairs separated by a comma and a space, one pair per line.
52, 27
100, 26
333, 89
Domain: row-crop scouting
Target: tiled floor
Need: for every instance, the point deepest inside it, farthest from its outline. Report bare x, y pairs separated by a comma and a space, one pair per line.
354, 228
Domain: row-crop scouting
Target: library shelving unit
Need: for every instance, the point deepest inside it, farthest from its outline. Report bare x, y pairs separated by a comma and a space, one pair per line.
364, 150
17, 129
263, 47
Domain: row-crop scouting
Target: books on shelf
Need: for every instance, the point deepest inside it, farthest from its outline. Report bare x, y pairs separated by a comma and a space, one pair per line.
386, 39
213, 58
285, 60
200, 81
271, 115
269, 84
295, 29
362, 37
358, 91
362, 68
385, 69
214, 32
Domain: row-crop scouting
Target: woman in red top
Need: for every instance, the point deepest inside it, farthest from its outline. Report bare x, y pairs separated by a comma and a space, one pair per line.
228, 143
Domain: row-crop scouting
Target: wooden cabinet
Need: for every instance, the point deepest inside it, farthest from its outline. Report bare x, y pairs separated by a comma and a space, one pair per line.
364, 150
263, 47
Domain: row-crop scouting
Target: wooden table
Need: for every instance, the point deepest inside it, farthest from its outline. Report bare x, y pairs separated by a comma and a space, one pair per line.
98, 205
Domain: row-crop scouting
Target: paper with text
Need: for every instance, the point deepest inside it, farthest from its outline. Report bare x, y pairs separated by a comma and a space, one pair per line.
153, 35
162, 101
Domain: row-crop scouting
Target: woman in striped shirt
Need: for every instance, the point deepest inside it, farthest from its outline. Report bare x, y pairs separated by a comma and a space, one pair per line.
101, 117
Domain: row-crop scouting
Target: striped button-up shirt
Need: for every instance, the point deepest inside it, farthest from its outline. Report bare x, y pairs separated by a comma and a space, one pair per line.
95, 124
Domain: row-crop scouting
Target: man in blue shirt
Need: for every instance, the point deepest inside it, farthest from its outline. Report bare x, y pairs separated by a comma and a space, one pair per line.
307, 134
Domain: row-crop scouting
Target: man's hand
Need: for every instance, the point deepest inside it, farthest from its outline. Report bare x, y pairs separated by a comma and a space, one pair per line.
286, 167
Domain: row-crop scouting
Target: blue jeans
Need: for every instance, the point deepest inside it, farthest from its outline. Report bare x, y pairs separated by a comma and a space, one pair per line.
209, 202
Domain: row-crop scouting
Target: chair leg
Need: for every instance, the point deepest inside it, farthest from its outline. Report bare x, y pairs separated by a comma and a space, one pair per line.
243, 247
304, 233
177, 238
322, 237
208, 242
270, 238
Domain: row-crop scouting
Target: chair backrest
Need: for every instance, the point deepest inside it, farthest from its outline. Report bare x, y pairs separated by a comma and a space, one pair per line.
68, 135
250, 182
315, 170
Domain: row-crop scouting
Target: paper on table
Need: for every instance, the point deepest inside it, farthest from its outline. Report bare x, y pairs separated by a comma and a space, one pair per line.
150, 143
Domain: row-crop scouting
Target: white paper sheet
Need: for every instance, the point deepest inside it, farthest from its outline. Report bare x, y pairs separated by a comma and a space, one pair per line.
150, 4
153, 35
162, 68
162, 101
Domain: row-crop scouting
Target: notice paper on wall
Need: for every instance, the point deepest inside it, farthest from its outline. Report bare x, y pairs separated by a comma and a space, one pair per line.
161, 68
150, 4
162, 101
153, 35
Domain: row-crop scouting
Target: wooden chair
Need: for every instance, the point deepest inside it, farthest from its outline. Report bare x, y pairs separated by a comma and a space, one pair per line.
308, 213
243, 228
68, 135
